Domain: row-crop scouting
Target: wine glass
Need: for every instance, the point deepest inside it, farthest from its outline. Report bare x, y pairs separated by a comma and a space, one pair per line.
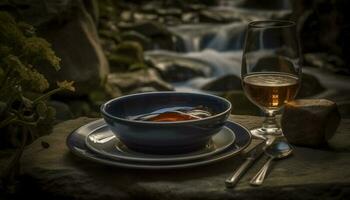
271, 70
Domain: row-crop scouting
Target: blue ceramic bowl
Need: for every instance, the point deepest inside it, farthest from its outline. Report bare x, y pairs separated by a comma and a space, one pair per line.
164, 137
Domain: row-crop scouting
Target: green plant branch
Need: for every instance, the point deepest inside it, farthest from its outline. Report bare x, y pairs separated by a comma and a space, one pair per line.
13, 166
47, 95
8, 121
24, 123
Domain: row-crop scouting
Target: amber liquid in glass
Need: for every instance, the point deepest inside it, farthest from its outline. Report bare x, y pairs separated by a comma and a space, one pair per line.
270, 90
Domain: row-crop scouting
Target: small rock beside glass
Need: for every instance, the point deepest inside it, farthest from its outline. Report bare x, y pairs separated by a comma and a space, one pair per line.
310, 122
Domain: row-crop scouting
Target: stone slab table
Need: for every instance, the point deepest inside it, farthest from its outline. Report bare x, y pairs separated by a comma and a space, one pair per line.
55, 173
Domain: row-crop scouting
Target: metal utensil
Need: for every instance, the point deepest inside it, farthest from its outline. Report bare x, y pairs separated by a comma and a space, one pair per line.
277, 150
254, 154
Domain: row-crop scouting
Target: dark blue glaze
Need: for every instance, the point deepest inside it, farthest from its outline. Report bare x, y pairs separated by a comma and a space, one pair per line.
164, 137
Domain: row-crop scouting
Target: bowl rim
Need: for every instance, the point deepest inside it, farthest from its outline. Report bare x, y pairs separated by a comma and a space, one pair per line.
105, 113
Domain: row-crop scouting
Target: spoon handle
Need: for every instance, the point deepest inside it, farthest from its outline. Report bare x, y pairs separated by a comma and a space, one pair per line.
258, 179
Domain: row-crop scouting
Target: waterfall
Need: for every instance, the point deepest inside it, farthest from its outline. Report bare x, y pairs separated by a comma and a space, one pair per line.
198, 37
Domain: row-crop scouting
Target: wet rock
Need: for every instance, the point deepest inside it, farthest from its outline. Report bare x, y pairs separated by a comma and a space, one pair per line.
131, 49
224, 83
310, 86
126, 15
208, 16
113, 36
137, 37
190, 17
145, 28
143, 90
125, 55
325, 61
160, 36
267, 5
310, 122
129, 81
144, 17
176, 69
169, 11
172, 21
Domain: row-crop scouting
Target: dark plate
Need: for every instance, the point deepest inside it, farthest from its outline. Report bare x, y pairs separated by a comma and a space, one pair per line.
76, 143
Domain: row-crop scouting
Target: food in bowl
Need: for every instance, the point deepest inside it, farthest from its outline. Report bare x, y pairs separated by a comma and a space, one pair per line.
175, 114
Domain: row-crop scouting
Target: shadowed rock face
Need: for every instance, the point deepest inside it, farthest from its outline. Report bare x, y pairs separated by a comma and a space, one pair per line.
324, 27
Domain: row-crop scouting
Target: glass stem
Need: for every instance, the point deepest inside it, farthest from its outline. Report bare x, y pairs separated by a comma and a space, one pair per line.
270, 124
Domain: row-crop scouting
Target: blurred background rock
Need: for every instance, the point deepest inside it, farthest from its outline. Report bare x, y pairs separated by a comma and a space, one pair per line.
112, 48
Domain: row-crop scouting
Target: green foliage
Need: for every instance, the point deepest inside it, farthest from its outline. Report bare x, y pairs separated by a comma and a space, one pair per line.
24, 113
10, 35
37, 50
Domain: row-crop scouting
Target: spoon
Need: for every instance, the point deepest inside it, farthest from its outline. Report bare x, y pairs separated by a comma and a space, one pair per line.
277, 150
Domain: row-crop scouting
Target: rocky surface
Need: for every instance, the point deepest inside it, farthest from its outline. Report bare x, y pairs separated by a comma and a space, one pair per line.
309, 174
310, 122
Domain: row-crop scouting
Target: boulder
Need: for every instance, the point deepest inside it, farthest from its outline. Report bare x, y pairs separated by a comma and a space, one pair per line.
208, 16
160, 36
224, 83
130, 81
146, 28
137, 37
173, 68
267, 5
126, 56
77, 44
130, 49
332, 63
310, 122
169, 11
189, 17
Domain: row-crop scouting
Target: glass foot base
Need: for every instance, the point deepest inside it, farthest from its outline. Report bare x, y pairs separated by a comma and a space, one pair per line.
265, 133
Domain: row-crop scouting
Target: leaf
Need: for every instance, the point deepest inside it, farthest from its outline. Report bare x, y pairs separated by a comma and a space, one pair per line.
27, 102
68, 85
37, 51
27, 29
41, 109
